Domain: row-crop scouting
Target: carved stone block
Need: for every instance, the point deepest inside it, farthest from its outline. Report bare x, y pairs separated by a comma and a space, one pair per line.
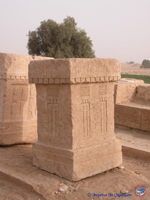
18, 117
76, 116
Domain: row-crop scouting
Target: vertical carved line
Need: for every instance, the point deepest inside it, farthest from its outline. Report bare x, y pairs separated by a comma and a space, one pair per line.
101, 118
89, 119
87, 116
14, 100
49, 119
56, 118
53, 124
83, 122
21, 106
52, 119
86, 119
104, 116
103, 113
11, 112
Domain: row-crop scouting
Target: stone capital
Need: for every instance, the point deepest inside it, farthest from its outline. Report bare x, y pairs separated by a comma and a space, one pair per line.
74, 71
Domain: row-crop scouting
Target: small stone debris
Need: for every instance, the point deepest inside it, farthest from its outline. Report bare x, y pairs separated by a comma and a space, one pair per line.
77, 187
121, 167
137, 172
124, 191
63, 188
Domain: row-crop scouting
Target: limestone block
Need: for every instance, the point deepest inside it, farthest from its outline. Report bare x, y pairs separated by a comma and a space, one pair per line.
75, 116
143, 93
126, 89
145, 119
124, 92
127, 115
18, 115
133, 115
132, 105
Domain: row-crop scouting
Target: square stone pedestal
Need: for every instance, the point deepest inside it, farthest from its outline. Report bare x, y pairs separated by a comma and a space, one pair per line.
18, 113
75, 106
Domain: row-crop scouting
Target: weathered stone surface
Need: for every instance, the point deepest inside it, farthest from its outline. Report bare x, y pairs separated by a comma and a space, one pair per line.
74, 71
18, 117
132, 108
126, 89
143, 93
124, 92
127, 115
145, 119
133, 115
75, 116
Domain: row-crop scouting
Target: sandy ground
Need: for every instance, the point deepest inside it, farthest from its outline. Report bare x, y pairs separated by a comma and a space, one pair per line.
29, 183
134, 69
11, 189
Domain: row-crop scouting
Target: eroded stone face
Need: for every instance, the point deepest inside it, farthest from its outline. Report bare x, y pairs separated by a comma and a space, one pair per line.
132, 104
18, 115
76, 116
126, 89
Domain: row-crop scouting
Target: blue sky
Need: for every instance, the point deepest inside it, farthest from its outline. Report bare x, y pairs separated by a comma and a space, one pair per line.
118, 28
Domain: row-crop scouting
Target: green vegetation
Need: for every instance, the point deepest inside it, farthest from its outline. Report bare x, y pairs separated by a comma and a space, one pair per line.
146, 79
63, 40
145, 64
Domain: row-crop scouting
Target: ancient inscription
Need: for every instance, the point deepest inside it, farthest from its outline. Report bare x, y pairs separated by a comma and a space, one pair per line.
52, 117
24, 97
15, 101
52, 91
52, 104
103, 98
86, 117
102, 116
19, 97
24, 93
85, 91
103, 89
32, 101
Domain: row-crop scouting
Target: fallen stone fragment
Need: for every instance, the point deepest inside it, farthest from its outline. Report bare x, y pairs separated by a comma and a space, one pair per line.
137, 172
63, 188
121, 167
124, 191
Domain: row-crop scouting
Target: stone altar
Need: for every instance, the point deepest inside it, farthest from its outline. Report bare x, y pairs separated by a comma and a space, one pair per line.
18, 114
75, 103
